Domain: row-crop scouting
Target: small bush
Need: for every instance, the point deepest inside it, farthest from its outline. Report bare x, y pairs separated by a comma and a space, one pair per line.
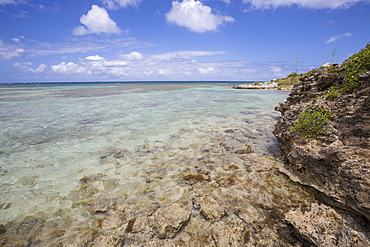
333, 92
312, 121
293, 74
354, 66
288, 81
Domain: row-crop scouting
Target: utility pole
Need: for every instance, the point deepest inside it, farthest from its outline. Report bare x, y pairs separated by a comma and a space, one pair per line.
296, 65
333, 53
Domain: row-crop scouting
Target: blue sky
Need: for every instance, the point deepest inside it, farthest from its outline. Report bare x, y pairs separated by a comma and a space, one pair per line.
145, 40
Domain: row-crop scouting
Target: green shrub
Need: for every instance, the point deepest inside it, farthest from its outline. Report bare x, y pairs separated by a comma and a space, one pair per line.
312, 121
354, 66
293, 74
333, 92
288, 81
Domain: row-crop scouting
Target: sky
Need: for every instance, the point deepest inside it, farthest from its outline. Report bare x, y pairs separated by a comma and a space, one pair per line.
175, 40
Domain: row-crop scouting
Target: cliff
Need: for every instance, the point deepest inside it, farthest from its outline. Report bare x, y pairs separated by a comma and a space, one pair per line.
324, 135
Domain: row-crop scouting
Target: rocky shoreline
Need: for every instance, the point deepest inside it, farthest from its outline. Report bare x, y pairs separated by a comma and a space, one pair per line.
270, 85
223, 192
226, 195
324, 135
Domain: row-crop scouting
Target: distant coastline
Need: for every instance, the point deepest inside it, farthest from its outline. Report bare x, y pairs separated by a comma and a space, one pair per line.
270, 85
123, 82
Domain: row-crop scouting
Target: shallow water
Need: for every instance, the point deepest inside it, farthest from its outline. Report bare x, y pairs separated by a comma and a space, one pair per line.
67, 150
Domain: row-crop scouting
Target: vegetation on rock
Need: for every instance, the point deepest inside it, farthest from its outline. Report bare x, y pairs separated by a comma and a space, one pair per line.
330, 104
290, 80
312, 122
354, 67
349, 72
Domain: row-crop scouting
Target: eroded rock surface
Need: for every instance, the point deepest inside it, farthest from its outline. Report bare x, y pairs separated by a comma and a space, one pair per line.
323, 226
169, 220
216, 197
336, 160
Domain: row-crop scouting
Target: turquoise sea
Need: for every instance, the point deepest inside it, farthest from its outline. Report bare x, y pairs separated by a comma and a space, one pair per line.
127, 141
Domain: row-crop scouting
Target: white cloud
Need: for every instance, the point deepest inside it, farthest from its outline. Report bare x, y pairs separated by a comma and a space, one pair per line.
335, 38
81, 45
133, 56
69, 68
276, 70
15, 2
97, 21
204, 71
26, 67
312, 4
187, 54
177, 65
21, 15
135, 65
41, 68
116, 4
195, 16
330, 22
9, 51
117, 63
16, 40
94, 58
165, 72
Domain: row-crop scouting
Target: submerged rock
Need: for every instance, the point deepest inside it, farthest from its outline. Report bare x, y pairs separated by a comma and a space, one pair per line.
169, 220
245, 149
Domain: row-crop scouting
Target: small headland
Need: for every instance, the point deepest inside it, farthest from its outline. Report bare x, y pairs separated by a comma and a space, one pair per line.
324, 136
285, 84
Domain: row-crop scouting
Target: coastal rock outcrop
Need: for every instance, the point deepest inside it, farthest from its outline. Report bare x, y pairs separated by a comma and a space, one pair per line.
324, 134
321, 225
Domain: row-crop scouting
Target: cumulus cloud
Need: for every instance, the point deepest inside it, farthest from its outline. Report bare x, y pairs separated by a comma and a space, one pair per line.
40, 68
135, 65
9, 51
177, 65
97, 21
204, 71
17, 39
312, 4
195, 16
186, 54
335, 38
69, 68
94, 58
133, 56
116, 4
26, 67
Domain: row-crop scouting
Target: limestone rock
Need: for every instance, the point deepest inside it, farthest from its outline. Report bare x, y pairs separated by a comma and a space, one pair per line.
327, 65
245, 149
169, 220
323, 226
230, 235
210, 207
338, 163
